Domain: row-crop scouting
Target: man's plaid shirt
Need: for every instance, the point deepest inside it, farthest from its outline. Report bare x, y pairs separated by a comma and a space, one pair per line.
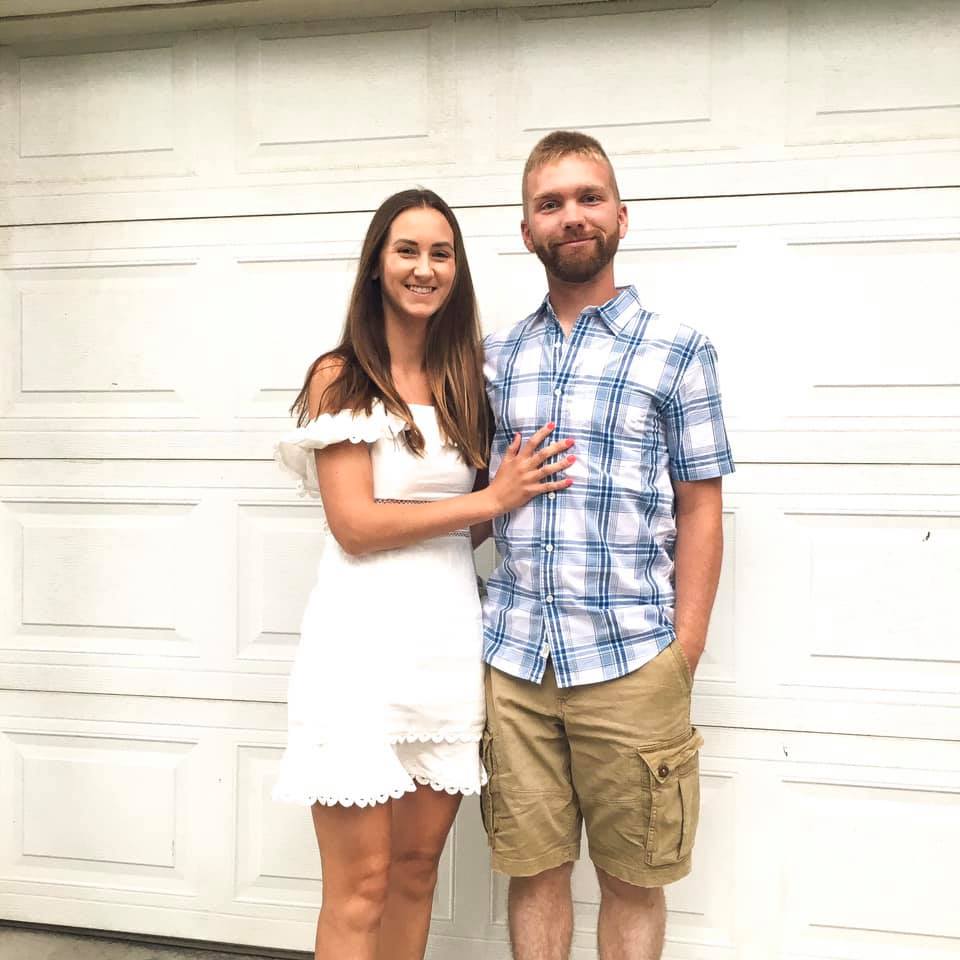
586, 574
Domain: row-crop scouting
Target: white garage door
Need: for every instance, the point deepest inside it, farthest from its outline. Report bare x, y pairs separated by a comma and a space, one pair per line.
181, 242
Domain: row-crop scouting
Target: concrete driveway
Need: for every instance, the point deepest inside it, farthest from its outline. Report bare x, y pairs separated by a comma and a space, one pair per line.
17, 943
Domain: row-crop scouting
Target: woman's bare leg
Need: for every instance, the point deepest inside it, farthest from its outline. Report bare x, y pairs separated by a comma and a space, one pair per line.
355, 857
421, 822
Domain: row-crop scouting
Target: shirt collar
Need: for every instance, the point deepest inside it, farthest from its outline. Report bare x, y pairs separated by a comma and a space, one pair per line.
615, 313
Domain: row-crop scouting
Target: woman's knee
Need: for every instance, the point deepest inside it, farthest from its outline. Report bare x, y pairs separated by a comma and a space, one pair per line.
357, 899
413, 873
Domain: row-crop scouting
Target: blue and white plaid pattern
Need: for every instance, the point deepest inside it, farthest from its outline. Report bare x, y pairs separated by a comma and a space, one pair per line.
586, 574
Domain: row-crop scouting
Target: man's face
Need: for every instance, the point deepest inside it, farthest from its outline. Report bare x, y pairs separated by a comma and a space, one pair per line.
574, 220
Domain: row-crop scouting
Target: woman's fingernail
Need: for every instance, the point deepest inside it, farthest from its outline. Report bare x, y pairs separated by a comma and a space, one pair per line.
551, 426
571, 459
569, 481
569, 441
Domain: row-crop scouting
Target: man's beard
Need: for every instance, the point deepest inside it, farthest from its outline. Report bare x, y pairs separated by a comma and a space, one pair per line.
581, 266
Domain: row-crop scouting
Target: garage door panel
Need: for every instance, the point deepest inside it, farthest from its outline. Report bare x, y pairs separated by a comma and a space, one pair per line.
250, 121
101, 577
846, 87
57, 95
880, 829
290, 308
660, 102
872, 601
277, 862
277, 557
79, 806
878, 338
102, 340
356, 114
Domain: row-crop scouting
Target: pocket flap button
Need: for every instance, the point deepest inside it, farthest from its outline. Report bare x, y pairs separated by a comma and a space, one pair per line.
663, 770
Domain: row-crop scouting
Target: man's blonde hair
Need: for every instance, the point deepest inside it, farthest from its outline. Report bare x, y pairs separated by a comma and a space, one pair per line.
564, 143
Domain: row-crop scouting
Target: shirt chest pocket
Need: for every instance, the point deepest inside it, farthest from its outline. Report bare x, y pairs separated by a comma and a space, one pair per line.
631, 414
640, 414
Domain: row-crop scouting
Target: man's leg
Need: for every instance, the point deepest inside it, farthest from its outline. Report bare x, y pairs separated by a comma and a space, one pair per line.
541, 915
635, 772
632, 920
530, 811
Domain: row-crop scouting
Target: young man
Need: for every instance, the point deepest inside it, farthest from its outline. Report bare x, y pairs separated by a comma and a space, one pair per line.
597, 615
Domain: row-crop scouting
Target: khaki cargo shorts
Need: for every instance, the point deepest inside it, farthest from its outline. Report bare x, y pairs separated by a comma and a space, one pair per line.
620, 756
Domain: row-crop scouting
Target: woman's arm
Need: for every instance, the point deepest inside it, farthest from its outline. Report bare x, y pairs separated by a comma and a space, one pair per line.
481, 532
361, 525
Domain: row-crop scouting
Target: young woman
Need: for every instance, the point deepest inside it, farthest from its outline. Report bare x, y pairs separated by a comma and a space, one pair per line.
386, 695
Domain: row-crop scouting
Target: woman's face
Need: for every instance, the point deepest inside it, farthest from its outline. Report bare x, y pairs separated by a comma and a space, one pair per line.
417, 265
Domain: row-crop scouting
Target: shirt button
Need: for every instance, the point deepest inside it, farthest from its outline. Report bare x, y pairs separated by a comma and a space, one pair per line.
549, 548
558, 393
551, 496
549, 599
545, 650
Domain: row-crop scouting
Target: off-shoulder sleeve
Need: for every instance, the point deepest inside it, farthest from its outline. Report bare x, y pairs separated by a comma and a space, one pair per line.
294, 450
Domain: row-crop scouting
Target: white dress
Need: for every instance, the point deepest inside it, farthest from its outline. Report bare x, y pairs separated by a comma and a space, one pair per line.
387, 687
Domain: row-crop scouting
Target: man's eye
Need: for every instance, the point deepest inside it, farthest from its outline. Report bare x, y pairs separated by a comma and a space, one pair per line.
548, 205
591, 198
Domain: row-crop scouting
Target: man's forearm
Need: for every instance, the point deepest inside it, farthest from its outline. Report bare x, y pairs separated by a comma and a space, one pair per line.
699, 552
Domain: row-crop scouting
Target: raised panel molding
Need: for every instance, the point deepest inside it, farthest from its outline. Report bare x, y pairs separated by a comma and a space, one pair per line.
858, 822
369, 116
113, 787
862, 297
292, 310
277, 858
876, 590
101, 339
279, 547
659, 103
846, 85
97, 578
60, 95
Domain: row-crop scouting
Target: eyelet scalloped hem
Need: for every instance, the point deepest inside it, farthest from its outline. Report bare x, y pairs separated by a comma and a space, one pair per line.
372, 801
458, 737
363, 774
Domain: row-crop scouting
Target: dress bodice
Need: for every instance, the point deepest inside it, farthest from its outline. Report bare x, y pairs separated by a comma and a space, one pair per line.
439, 473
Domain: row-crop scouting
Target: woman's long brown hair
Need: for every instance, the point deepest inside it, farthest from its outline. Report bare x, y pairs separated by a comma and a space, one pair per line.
453, 355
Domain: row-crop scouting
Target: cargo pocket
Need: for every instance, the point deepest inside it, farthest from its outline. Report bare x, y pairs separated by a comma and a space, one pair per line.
675, 799
486, 792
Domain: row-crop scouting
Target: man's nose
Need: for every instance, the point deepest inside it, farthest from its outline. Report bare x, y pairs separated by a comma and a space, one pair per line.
572, 214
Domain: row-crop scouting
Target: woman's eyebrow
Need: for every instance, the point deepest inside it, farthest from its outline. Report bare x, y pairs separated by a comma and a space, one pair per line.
413, 243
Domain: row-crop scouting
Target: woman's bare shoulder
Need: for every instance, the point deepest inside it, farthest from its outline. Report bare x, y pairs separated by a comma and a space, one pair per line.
325, 373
